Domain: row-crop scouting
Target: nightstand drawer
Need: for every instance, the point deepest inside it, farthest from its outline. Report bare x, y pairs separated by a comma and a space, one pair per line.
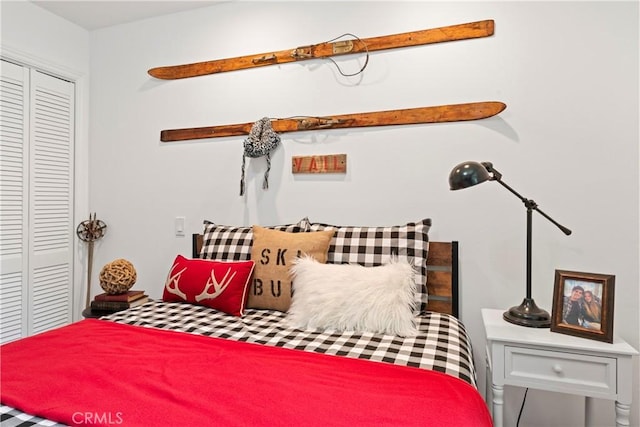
561, 371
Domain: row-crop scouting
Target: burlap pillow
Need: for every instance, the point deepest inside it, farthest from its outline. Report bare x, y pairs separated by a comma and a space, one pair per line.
273, 252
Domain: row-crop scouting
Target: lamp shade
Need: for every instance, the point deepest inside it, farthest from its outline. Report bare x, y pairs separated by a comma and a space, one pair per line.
468, 174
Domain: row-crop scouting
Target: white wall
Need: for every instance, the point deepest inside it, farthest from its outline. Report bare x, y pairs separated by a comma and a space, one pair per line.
568, 72
33, 36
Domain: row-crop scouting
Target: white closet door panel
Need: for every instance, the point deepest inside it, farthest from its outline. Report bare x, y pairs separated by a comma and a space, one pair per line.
51, 296
12, 303
51, 200
14, 155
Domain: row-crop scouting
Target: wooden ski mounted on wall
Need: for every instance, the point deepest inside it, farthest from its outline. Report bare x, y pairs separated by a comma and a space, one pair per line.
437, 114
469, 30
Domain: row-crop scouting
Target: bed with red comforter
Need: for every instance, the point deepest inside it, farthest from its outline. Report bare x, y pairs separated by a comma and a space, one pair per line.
209, 368
176, 363
98, 372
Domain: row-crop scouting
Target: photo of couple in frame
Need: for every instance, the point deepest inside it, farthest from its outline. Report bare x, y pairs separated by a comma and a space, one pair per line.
583, 305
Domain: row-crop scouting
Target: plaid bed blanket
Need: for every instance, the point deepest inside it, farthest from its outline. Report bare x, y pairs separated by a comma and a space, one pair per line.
443, 344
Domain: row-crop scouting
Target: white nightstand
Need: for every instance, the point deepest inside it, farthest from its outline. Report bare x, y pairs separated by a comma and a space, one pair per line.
545, 360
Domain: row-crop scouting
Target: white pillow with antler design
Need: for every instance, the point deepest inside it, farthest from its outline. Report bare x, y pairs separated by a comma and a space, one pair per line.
221, 285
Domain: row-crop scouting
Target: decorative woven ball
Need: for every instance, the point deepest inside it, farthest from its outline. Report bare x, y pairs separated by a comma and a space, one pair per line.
117, 276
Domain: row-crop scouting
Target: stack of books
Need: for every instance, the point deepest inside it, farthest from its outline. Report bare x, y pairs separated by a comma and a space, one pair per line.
110, 303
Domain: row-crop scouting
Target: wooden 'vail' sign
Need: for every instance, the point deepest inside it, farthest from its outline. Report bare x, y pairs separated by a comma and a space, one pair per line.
328, 163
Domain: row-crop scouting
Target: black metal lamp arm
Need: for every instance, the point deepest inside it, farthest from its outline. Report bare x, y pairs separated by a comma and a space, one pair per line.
528, 203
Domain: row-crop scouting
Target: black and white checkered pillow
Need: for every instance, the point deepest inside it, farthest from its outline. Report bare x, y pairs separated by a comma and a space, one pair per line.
372, 246
232, 243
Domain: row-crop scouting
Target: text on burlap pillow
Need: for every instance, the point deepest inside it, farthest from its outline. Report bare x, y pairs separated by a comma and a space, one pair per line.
273, 252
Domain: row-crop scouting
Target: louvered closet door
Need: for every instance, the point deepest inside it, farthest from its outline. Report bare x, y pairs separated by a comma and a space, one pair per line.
51, 201
14, 195
37, 190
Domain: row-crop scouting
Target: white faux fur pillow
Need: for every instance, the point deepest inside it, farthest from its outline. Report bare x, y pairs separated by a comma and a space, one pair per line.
347, 297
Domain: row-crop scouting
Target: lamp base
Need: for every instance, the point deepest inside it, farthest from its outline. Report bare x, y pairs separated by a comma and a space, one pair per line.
528, 314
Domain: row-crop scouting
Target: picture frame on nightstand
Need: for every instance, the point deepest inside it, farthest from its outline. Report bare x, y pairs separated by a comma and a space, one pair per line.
583, 305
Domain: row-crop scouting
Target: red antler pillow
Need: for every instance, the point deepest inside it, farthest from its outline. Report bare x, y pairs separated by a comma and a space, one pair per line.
221, 285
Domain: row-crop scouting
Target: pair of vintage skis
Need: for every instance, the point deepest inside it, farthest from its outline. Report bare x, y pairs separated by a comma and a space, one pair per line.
437, 114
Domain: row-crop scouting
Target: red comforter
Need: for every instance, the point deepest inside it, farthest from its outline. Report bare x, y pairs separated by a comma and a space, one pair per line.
104, 373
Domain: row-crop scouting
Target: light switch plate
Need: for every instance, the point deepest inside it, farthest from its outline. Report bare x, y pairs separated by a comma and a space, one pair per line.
179, 226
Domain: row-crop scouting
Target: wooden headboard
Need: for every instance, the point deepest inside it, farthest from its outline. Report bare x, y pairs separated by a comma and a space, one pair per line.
442, 274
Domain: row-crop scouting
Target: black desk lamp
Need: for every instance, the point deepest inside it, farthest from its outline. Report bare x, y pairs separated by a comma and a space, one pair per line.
468, 174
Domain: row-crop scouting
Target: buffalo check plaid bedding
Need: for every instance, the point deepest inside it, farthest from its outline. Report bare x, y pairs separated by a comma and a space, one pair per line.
233, 243
372, 246
442, 345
